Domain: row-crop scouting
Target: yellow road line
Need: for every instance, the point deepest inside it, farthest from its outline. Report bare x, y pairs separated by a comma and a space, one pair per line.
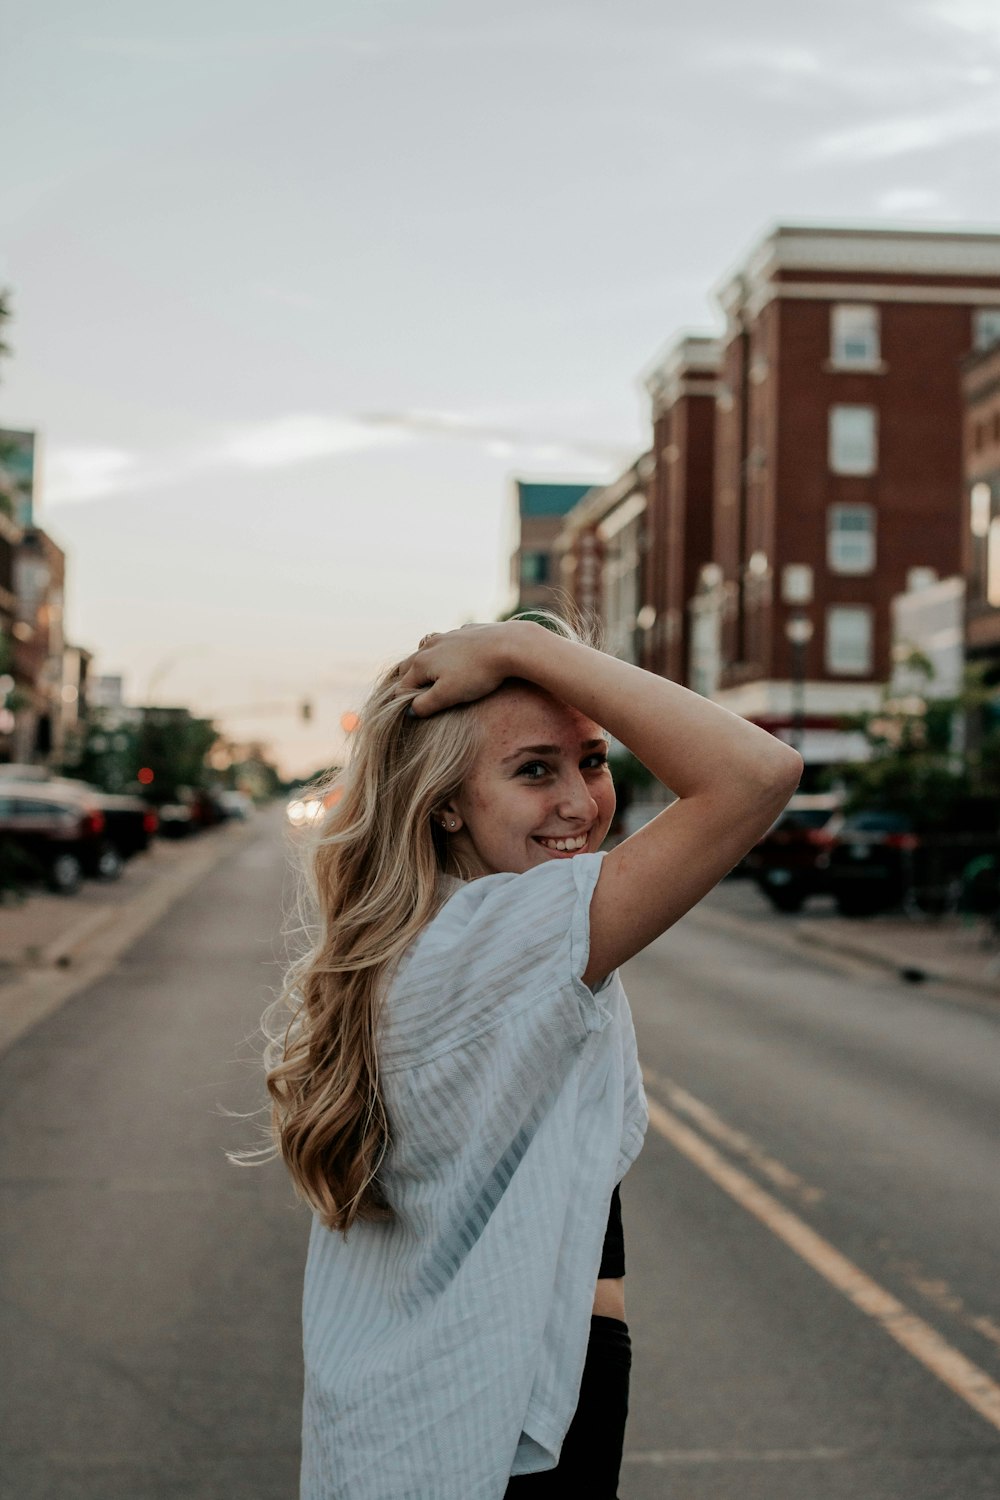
734, 1140
918, 1338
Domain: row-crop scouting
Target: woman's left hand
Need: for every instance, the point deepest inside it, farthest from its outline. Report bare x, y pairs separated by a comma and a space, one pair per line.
457, 666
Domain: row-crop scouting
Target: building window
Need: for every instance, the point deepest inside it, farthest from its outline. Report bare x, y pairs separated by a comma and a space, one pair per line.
854, 340
920, 578
850, 538
852, 441
796, 583
993, 564
534, 567
985, 327
980, 505
849, 639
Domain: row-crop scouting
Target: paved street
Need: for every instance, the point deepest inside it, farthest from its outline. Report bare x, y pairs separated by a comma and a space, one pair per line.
804, 1111
870, 1109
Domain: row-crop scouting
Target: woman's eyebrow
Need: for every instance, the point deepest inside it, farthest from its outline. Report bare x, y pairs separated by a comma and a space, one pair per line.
552, 749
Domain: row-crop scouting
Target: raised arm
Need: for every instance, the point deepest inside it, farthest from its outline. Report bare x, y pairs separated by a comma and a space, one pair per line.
731, 778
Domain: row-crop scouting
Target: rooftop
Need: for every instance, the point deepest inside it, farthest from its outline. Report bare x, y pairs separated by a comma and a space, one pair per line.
548, 498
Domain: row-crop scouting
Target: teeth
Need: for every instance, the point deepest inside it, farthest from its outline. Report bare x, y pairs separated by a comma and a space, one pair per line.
565, 846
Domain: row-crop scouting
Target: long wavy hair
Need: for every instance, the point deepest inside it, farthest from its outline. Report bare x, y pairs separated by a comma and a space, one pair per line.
371, 880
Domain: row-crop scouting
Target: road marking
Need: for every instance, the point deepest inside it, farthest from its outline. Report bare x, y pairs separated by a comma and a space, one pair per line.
713, 1125
918, 1338
736, 1456
935, 1289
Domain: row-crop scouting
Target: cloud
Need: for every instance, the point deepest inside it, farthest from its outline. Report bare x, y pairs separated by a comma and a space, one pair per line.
260, 44
905, 134
86, 473
299, 438
904, 200
977, 18
80, 473
789, 61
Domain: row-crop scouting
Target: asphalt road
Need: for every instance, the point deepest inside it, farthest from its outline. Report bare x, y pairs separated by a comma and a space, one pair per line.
869, 1111
823, 1141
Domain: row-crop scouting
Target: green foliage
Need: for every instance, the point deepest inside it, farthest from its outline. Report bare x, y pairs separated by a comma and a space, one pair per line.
18, 871
918, 766
5, 315
628, 772
169, 742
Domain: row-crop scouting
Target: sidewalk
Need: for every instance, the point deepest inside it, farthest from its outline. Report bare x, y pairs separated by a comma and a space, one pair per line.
50, 946
949, 950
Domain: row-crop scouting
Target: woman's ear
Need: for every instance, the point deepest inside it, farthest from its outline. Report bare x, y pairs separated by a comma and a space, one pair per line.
450, 820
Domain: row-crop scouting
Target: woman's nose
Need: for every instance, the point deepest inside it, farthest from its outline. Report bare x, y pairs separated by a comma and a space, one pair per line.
576, 802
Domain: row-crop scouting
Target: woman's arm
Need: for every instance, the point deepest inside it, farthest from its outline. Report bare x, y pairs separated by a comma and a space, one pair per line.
731, 778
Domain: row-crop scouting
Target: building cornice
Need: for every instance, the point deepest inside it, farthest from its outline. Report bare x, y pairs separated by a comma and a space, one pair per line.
897, 252
764, 697
595, 507
873, 291
688, 362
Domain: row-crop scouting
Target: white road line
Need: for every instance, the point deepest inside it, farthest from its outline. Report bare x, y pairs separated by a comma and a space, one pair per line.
660, 1457
918, 1338
735, 1140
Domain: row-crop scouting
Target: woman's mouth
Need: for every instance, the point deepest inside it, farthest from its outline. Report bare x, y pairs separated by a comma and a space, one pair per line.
562, 845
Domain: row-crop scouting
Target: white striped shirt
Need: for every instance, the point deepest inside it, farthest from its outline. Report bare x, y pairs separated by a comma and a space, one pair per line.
444, 1351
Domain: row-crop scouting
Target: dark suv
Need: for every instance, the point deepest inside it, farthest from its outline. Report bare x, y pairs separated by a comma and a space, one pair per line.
790, 862
873, 861
58, 835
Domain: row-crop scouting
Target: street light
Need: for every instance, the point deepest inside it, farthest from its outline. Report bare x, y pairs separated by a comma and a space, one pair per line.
798, 630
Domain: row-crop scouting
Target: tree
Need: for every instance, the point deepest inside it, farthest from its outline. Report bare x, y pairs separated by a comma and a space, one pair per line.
934, 759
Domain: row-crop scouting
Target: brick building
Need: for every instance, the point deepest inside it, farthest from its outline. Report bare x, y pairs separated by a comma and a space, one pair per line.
838, 461
981, 529
601, 550
683, 389
39, 647
539, 508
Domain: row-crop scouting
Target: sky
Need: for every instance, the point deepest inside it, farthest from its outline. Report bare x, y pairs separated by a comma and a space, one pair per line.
298, 290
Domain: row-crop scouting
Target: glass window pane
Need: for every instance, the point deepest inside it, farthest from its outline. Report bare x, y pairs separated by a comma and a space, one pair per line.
980, 506
852, 446
850, 542
534, 567
854, 334
985, 327
993, 563
849, 639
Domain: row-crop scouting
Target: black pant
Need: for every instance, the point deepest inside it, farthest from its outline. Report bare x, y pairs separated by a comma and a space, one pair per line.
591, 1455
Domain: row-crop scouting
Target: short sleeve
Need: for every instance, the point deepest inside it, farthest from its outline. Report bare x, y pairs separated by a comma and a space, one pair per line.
499, 946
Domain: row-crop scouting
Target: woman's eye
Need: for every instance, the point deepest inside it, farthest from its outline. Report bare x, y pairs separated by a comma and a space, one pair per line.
533, 766
596, 761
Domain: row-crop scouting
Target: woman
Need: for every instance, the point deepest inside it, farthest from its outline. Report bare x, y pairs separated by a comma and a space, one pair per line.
458, 1095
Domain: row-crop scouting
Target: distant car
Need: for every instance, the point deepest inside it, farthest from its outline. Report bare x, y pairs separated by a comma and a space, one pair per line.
61, 833
236, 804
790, 862
175, 820
129, 821
871, 865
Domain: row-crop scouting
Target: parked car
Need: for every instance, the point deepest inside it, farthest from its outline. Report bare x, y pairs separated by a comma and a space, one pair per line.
872, 861
60, 832
175, 820
790, 863
236, 804
129, 821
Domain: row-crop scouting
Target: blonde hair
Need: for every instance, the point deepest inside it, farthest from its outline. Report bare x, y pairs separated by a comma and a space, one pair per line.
372, 876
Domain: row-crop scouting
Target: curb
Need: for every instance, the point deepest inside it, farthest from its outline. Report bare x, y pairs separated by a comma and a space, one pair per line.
88, 950
793, 942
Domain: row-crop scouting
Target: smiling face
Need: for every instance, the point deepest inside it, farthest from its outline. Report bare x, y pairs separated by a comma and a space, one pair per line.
539, 788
